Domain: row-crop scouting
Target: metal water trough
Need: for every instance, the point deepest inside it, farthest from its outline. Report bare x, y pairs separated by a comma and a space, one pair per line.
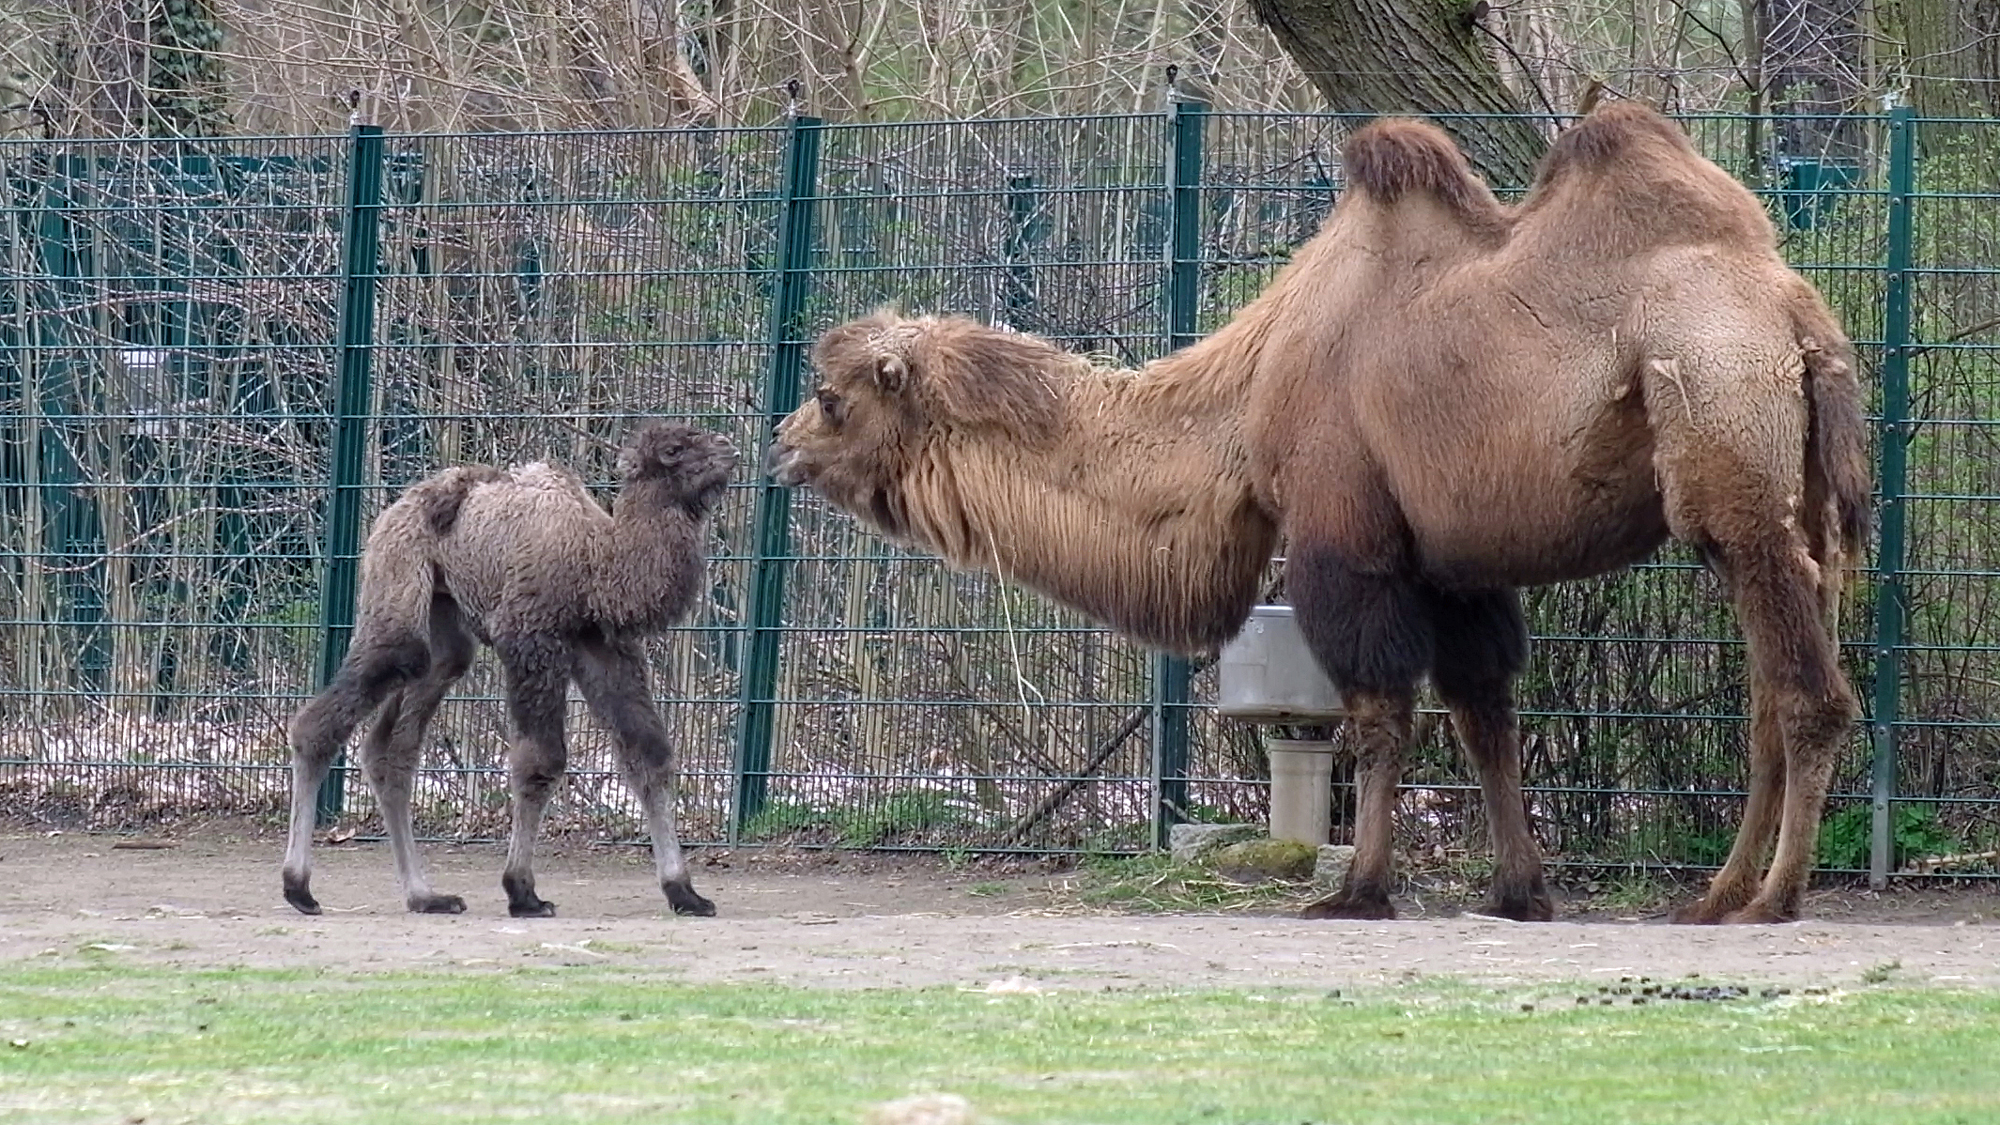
1268, 675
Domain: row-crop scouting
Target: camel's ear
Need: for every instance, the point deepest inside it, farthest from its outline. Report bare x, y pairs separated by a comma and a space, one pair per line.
892, 373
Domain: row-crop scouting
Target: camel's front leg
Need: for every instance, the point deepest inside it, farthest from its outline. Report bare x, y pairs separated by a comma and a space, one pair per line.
537, 672
1370, 631
1492, 740
613, 678
1382, 728
1481, 646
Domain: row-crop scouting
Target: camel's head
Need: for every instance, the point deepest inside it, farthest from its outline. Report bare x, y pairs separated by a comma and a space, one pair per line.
894, 395
694, 464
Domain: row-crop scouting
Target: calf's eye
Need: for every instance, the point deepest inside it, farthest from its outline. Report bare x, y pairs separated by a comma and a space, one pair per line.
830, 405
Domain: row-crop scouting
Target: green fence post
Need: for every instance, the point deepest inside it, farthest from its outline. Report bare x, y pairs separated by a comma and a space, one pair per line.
1171, 674
1895, 434
360, 219
797, 208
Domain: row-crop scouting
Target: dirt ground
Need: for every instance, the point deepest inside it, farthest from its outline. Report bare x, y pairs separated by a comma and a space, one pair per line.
841, 919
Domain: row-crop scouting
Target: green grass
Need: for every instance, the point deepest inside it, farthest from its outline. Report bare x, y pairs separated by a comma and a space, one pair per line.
594, 1044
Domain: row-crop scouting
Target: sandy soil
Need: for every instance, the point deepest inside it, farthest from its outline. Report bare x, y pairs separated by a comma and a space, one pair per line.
829, 919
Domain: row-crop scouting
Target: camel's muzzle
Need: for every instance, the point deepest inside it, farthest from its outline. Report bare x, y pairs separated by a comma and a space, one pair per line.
783, 463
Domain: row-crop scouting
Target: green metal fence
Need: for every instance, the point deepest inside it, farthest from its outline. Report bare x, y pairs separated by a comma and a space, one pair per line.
222, 358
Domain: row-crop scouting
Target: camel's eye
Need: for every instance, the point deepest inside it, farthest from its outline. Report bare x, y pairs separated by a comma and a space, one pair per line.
830, 405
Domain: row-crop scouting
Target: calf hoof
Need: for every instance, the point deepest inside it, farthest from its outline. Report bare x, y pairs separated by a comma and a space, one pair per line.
532, 908
684, 900
436, 904
297, 894
1360, 908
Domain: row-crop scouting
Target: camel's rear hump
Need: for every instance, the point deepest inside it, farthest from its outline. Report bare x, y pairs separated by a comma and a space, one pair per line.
1627, 178
1613, 133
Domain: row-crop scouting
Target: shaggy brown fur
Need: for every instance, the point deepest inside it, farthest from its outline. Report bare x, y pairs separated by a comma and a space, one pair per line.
526, 562
1440, 400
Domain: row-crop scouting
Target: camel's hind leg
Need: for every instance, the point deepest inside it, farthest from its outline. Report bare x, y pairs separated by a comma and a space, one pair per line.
1799, 716
537, 672
393, 749
375, 668
1797, 661
1481, 646
612, 675
1736, 884
1371, 634
1731, 442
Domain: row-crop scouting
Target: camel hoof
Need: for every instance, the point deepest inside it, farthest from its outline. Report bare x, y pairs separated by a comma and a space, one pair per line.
684, 900
1701, 913
538, 908
1755, 915
1352, 909
300, 898
1514, 908
436, 904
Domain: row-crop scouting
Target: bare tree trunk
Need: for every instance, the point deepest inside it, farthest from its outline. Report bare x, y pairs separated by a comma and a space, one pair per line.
1952, 53
1411, 56
1812, 64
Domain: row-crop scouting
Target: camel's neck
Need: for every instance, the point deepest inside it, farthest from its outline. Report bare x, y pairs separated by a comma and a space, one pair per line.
1140, 512
651, 562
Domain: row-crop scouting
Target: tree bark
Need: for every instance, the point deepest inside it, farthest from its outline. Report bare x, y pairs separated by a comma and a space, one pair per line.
1952, 53
1412, 57
1813, 65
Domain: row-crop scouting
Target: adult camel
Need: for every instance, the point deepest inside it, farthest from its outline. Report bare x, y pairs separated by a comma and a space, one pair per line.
1440, 399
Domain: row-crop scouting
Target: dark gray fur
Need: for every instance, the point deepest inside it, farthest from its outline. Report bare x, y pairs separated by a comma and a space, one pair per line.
527, 563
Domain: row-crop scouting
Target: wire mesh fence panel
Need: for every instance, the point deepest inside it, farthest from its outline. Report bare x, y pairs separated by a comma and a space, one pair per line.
164, 335
537, 295
1948, 756
171, 310
920, 706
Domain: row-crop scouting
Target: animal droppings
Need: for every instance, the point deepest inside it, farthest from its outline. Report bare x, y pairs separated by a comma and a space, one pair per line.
1609, 995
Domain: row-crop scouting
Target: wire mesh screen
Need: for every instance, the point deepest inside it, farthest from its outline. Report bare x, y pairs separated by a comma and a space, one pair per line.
921, 706
537, 295
1948, 756
165, 331
170, 316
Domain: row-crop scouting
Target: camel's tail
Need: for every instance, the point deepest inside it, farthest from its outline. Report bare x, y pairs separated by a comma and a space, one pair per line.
1837, 435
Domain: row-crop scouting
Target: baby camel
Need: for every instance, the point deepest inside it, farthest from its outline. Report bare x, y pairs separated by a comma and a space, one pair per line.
527, 563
